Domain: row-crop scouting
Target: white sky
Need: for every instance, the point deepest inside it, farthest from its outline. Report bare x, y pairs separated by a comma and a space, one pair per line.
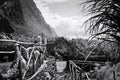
65, 16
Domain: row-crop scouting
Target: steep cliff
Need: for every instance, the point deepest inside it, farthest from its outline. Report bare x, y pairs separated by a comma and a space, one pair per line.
28, 20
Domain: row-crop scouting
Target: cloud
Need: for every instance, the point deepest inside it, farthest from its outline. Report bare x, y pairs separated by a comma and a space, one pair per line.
54, 1
48, 16
69, 26
55, 19
50, 1
64, 26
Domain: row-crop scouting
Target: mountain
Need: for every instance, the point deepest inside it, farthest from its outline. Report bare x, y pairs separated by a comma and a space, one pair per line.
27, 19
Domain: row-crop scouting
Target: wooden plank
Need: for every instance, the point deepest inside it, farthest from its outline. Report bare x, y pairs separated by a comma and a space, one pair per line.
85, 62
5, 40
19, 61
70, 68
75, 65
30, 43
75, 71
31, 54
75, 77
7, 52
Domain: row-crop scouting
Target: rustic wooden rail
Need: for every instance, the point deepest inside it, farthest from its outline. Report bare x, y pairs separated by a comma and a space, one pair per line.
33, 46
86, 62
75, 71
17, 44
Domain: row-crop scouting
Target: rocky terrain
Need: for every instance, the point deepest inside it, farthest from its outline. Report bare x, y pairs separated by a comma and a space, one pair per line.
27, 20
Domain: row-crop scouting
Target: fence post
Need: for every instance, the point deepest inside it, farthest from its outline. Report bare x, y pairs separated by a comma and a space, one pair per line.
19, 60
75, 71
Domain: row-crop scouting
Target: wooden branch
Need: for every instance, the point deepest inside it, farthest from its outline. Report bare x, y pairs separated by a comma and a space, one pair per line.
38, 71
28, 62
36, 60
87, 76
9, 52
74, 69
91, 51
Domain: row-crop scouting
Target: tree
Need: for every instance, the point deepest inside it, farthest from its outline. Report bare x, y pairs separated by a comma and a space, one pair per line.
11, 10
105, 21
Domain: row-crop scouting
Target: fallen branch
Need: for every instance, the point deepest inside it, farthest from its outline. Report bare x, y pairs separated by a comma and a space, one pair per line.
87, 76
38, 71
28, 63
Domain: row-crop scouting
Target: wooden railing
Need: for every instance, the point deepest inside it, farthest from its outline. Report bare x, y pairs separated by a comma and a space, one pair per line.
32, 59
33, 47
75, 71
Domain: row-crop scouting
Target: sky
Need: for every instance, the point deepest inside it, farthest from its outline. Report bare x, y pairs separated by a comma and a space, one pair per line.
65, 16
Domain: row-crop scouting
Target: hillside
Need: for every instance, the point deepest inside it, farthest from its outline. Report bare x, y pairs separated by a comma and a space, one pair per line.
27, 20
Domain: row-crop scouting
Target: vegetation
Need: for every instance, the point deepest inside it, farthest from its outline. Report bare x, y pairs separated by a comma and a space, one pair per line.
105, 21
81, 48
8, 9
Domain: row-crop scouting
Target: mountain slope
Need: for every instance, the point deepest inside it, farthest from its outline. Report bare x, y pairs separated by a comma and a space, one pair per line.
29, 20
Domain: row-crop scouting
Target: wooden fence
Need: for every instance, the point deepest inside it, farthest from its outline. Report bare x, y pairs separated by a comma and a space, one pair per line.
75, 71
12, 46
33, 46
87, 62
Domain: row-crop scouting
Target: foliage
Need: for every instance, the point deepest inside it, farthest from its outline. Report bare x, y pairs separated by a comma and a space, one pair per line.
8, 9
105, 21
64, 47
70, 49
81, 48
